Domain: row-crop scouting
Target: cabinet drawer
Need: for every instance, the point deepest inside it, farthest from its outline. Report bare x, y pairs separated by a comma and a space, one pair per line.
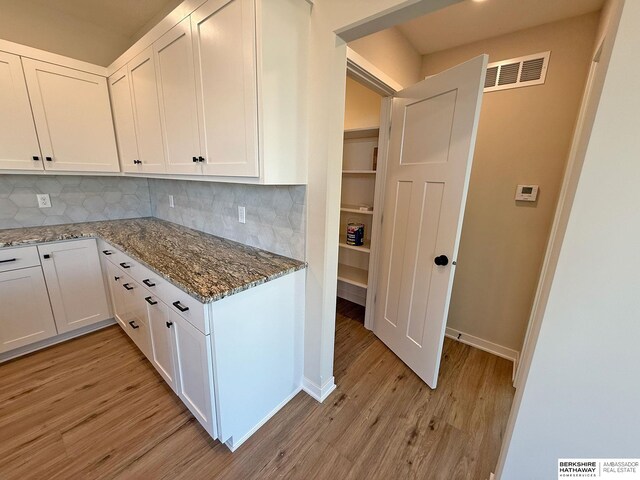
20, 257
185, 305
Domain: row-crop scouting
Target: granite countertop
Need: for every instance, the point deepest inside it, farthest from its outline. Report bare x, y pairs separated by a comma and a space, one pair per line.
205, 266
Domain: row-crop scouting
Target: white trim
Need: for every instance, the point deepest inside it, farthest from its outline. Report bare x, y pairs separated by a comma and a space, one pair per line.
482, 344
44, 56
319, 393
360, 68
49, 342
231, 445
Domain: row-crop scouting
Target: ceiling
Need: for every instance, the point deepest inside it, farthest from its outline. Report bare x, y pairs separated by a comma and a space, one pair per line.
470, 21
124, 17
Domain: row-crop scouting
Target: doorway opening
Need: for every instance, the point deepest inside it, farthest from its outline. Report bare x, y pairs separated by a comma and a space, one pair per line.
524, 141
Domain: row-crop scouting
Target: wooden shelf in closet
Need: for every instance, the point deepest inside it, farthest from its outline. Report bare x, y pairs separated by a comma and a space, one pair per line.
355, 209
352, 275
363, 248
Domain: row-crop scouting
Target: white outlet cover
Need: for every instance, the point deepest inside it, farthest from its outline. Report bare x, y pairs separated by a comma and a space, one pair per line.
241, 215
171, 204
44, 201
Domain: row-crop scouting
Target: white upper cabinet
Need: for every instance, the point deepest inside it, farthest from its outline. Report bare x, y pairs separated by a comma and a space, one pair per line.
19, 149
146, 113
225, 52
73, 118
123, 119
173, 54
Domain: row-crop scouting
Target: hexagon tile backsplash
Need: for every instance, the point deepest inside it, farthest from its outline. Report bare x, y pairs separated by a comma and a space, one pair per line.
275, 215
73, 199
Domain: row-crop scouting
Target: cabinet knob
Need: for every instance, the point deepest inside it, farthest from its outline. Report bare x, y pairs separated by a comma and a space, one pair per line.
46, 256
48, 159
116, 278
35, 158
195, 159
169, 324
201, 159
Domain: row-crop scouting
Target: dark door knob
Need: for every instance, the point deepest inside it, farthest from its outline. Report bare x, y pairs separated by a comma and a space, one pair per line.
441, 260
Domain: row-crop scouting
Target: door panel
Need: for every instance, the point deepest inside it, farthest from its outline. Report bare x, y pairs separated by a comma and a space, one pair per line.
123, 119
224, 46
146, 112
25, 316
162, 341
73, 118
195, 371
115, 280
18, 139
178, 104
433, 129
75, 283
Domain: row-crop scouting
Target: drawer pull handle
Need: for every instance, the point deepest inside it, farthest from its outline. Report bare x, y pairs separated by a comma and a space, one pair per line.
150, 301
107, 252
35, 158
148, 283
46, 256
180, 307
127, 286
48, 159
133, 324
169, 324
116, 278
8, 260
125, 265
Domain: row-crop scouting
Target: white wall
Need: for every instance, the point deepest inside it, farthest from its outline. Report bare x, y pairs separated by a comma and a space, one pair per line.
581, 394
391, 52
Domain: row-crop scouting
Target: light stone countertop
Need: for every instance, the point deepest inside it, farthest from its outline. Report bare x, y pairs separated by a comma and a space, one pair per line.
205, 266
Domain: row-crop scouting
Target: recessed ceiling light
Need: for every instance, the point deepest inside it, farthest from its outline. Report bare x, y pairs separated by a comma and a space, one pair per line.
479, 1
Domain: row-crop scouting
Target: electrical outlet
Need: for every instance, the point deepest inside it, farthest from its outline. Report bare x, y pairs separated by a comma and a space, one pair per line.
171, 204
44, 201
241, 215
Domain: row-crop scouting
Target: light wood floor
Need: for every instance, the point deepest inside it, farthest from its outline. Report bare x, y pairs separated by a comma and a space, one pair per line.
95, 408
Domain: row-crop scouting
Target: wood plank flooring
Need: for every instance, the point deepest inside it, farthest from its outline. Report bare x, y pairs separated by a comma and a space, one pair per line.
95, 408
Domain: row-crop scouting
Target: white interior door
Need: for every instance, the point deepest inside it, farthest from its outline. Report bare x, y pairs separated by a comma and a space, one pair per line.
19, 148
433, 131
73, 118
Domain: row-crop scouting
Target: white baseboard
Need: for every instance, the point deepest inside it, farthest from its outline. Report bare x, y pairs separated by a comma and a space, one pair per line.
485, 345
233, 446
49, 342
317, 392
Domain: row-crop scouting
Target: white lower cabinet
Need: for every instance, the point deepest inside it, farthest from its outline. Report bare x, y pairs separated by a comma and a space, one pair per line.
25, 316
194, 364
162, 342
75, 283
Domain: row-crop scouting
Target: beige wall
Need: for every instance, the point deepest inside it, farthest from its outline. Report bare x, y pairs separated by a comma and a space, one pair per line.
524, 136
392, 53
30, 23
362, 106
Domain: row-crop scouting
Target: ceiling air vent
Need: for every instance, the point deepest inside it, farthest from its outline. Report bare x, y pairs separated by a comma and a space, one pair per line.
517, 72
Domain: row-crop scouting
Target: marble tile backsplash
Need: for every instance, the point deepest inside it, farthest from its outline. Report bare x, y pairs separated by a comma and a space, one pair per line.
73, 199
275, 215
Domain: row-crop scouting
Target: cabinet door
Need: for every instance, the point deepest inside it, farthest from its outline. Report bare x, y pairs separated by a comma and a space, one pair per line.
73, 118
25, 316
162, 341
195, 371
18, 140
225, 58
115, 281
146, 112
178, 106
135, 314
123, 119
74, 279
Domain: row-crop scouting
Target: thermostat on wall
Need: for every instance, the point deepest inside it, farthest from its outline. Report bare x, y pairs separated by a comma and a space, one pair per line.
527, 193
